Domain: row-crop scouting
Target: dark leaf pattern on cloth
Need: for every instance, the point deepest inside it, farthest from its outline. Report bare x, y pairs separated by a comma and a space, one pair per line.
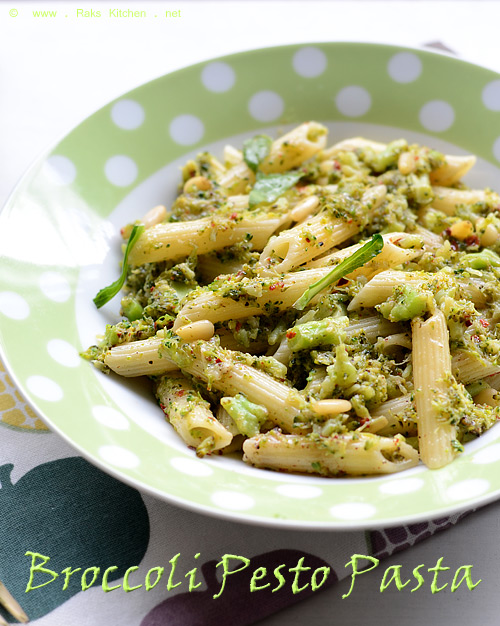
237, 606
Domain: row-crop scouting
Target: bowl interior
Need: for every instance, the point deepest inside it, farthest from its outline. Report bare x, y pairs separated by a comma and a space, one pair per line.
59, 244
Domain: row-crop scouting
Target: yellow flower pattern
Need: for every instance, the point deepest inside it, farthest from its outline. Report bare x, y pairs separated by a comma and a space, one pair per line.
13, 409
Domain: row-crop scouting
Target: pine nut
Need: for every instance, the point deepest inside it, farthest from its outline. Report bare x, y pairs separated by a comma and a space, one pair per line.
197, 183
154, 216
202, 329
461, 230
489, 396
327, 167
489, 236
406, 163
331, 407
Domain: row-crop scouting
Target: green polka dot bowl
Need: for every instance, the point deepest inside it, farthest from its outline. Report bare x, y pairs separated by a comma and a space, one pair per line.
60, 243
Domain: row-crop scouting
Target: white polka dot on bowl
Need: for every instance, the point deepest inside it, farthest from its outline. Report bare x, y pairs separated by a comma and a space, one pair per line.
44, 388
491, 454
63, 352
218, 77
191, 467
401, 486
404, 67
127, 114
118, 456
300, 492
232, 500
59, 170
120, 170
437, 116
353, 101
309, 62
491, 95
13, 305
353, 511
266, 106
186, 130
110, 417
468, 489
496, 149
54, 286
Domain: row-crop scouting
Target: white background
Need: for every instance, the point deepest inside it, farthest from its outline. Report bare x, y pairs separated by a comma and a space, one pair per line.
56, 71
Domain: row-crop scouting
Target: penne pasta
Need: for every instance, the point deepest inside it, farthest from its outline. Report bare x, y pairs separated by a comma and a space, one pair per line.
432, 375
190, 414
173, 241
295, 147
295, 291
357, 454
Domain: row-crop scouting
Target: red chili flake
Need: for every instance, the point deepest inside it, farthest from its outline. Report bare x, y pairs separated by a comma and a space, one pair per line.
290, 334
238, 326
122, 231
277, 284
308, 240
181, 392
472, 240
484, 323
336, 165
233, 216
162, 406
467, 319
217, 360
152, 288
475, 337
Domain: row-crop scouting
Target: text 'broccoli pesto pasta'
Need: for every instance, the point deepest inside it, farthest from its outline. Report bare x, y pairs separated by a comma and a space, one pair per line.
322, 310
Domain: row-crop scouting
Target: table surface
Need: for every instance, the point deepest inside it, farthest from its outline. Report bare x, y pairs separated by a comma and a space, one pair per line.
54, 72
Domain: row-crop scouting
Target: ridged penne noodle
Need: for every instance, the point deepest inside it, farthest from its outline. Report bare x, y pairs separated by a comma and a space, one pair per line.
172, 241
236, 179
304, 242
448, 200
351, 144
226, 372
139, 358
432, 379
295, 147
468, 369
400, 415
296, 289
372, 326
356, 454
452, 170
190, 414
380, 287
392, 255
273, 295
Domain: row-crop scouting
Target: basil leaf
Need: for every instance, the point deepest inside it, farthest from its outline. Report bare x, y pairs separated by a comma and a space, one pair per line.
271, 186
357, 259
255, 150
109, 292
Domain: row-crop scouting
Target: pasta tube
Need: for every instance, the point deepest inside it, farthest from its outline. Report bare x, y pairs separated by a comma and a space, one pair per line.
190, 414
172, 241
291, 150
432, 378
356, 454
228, 372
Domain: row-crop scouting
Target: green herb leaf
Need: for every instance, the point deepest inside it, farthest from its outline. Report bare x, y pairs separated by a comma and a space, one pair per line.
109, 292
255, 150
271, 186
357, 259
